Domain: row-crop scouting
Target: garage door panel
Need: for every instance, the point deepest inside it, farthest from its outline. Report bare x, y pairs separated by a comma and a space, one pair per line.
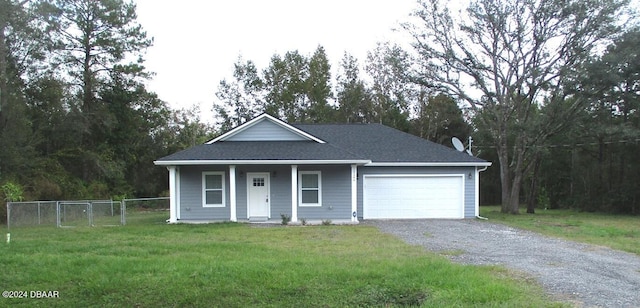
397, 197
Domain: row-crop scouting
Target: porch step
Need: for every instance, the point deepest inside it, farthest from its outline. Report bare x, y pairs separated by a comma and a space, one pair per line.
258, 218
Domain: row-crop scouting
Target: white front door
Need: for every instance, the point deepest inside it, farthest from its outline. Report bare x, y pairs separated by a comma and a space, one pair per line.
258, 195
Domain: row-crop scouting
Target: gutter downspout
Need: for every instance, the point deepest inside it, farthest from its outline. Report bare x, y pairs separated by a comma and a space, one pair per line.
481, 170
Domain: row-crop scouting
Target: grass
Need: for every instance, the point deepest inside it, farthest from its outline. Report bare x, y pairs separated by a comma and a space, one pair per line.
614, 231
150, 264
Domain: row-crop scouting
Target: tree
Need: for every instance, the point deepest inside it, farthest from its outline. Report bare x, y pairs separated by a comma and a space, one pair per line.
604, 171
19, 46
92, 42
240, 99
439, 119
12, 22
294, 87
354, 98
186, 130
131, 138
505, 59
318, 88
285, 81
387, 66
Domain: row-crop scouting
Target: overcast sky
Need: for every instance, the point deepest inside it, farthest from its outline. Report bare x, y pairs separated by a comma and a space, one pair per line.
196, 42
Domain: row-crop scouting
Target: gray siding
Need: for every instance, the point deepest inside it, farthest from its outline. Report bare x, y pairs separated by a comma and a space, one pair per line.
469, 183
266, 130
191, 194
336, 192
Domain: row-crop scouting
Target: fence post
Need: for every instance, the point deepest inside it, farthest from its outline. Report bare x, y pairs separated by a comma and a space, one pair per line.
123, 211
58, 214
38, 212
90, 215
8, 216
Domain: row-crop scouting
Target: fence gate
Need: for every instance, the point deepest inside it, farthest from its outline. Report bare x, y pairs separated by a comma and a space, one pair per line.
74, 214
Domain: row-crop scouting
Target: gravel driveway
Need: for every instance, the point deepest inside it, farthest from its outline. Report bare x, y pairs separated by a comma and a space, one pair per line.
586, 275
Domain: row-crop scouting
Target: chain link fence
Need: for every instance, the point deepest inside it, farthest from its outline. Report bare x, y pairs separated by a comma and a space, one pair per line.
78, 213
145, 204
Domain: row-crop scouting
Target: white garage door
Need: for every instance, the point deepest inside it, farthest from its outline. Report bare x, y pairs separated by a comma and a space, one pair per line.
419, 196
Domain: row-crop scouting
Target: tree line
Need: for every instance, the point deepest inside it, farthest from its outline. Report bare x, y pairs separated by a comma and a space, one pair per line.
299, 89
548, 89
76, 121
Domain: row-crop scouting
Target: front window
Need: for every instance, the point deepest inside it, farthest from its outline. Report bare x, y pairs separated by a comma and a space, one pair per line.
213, 189
310, 191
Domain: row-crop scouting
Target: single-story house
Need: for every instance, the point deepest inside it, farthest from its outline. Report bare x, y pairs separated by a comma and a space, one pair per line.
266, 168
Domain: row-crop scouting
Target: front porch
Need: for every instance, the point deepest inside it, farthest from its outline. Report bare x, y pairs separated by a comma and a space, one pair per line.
261, 193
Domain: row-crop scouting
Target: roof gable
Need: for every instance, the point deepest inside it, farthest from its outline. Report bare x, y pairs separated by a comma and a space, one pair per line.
266, 128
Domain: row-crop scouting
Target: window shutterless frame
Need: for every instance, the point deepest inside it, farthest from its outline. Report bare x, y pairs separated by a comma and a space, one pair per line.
309, 188
213, 189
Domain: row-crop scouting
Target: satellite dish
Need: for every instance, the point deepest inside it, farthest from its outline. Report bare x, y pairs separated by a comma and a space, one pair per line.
457, 144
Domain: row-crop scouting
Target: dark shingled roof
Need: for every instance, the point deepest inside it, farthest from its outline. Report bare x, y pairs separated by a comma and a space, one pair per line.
374, 142
381, 143
264, 150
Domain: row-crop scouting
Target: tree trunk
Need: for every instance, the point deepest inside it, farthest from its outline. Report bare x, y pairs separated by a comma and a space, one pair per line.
531, 204
514, 200
505, 178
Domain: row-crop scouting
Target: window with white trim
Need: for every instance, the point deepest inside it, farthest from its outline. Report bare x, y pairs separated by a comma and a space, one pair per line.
309, 188
213, 189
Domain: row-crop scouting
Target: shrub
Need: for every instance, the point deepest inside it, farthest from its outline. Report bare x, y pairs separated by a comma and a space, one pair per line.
9, 192
285, 219
12, 192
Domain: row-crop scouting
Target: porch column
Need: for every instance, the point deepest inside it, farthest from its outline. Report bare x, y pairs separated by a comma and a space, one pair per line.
232, 193
354, 193
476, 187
173, 194
177, 186
294, 193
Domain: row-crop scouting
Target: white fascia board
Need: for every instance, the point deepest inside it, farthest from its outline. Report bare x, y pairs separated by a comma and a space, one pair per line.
257, 162
257, 120
425, 164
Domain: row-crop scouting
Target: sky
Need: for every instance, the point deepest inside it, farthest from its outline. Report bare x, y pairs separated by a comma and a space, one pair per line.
197, 42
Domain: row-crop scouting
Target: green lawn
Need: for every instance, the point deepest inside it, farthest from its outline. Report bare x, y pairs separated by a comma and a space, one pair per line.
148, 264
615, 231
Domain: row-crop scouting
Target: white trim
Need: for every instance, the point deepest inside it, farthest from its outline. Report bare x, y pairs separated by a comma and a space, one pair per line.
294, 193
267, 175
464, 189
232, 193
257, 162
477, 192
259, 119
319, 174
354, 193
173, 218
204, 189
364, 191
366, 163
426, 164
178, 193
